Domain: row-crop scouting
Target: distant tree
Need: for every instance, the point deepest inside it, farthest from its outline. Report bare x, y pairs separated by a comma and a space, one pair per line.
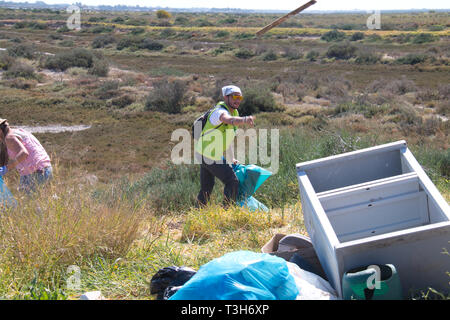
163, 14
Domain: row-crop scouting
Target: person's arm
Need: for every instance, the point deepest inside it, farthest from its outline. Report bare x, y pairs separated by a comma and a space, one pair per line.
17, 147
236, 121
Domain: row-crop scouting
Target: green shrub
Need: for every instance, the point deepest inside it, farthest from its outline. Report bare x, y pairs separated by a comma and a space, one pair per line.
31, 25
54, 36
181, 21
107, 89
167, 96
102, 29
257, 100
312, 55
100, 68
67, 43
222, 34
166, 33
333, 35
135, 22
63, 28
222, 48
137, 31
245, 35
22, 50
78, 57
139, 43
357, 36
173, 189
270, 56
20, 70
228, 20
436, 27
150, 45
341, 51
102, 41
6, 61
374, 38
244, 53
412, 58
122, 101
368, 58
118, 20
292, 54
423, 38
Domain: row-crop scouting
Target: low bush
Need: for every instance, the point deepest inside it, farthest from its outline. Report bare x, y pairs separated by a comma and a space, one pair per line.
102, 41
256, 100
222, 34
107, 89
341, 51
78, 57
270, 56
423, 38
30, 24
167, 96
20, 70
222, 48
333, 35
292, 53
357, 36
99, 68
312, 55
367, 58
137, 31
138, 43
244, 53
122, 101
102, 29
412, 58
6, 61
22, 50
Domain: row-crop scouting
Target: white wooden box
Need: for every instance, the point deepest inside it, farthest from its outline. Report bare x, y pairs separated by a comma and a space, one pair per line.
377, 206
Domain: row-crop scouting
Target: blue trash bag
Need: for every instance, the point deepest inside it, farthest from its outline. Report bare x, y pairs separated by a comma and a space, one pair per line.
250, 177
241, 275
6, 198
252, 204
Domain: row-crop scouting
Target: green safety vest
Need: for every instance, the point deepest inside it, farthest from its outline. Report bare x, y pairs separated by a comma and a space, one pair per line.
214, 140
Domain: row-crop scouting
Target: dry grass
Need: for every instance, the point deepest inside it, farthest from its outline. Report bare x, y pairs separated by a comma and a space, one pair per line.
62, 225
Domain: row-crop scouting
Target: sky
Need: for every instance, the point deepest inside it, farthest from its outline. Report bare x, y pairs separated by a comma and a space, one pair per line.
278, 5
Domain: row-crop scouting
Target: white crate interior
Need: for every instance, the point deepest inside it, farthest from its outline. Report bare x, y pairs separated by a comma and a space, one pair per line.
377, 206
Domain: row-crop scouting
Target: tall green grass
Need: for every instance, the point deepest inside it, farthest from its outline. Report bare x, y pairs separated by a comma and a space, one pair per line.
175, 188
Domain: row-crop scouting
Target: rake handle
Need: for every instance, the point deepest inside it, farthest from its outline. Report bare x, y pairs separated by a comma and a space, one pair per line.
283, 18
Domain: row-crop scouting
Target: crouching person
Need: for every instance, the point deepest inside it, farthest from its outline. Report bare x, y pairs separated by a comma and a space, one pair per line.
26, 154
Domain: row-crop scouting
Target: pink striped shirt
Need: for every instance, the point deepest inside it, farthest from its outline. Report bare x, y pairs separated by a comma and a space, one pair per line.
37, 159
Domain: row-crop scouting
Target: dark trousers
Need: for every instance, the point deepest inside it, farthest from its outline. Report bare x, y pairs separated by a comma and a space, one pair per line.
222, 171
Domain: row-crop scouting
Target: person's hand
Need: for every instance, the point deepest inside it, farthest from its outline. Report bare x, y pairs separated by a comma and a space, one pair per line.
250, 120
235, 161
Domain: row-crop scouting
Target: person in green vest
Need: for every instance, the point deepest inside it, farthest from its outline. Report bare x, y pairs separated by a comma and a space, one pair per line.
216, 139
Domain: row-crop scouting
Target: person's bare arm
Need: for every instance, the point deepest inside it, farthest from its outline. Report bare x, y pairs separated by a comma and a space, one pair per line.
14, 144
236, 121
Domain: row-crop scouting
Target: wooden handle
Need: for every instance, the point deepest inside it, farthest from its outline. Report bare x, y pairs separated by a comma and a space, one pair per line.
283, 18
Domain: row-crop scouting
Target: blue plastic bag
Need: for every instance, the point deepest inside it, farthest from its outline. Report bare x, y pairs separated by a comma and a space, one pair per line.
250, 177
241, 275
6, 198
252, 204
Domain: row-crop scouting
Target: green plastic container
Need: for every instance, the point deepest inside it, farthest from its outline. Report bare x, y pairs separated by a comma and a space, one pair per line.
365, 283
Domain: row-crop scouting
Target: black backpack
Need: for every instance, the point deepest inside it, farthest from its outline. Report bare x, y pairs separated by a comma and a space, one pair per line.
200, 122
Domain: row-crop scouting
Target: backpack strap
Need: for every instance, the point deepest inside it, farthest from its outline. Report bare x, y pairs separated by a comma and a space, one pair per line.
218, 106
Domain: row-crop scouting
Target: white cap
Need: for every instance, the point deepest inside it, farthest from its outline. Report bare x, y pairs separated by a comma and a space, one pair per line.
227, 90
